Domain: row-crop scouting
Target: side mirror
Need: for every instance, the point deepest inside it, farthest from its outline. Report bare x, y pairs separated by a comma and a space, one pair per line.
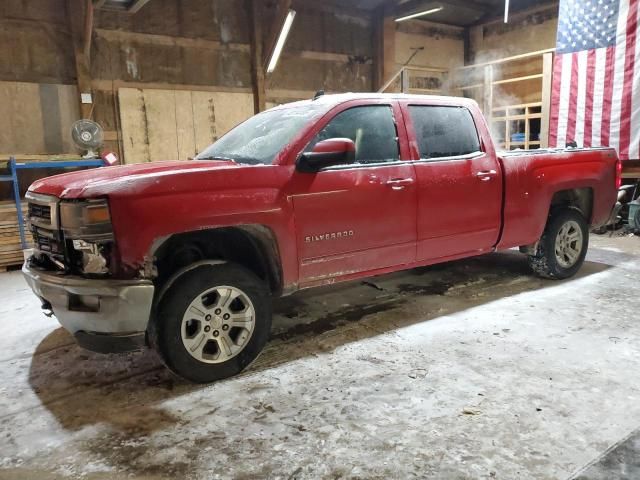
334, 151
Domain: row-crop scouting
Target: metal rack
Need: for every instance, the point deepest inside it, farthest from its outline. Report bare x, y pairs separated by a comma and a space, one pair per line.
14, 166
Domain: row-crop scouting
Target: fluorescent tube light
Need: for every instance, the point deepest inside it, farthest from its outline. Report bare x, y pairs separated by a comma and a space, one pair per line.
282, 38
419, 14
506, 11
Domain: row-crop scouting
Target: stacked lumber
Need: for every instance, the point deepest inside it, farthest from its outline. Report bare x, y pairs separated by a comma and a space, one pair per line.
10, 247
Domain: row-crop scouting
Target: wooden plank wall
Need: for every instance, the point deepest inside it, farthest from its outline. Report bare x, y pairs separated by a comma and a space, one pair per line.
199, 46
176, 124
35, 42
10, 245
36, 118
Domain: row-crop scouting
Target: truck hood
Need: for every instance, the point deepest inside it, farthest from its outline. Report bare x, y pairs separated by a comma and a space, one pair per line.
123, 180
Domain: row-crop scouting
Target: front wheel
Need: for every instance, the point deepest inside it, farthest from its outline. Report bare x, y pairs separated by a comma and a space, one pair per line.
563, 246
212, 322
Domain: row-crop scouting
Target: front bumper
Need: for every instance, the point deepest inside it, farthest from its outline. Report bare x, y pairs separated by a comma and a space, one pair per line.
104, 315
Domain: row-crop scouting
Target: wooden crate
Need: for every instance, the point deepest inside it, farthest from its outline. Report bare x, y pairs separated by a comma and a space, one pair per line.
10, 247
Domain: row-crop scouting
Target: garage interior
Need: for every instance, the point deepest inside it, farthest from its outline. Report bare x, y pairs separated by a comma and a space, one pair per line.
462, 370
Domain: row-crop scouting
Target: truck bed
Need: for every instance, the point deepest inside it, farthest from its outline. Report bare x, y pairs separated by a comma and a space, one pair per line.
533, 177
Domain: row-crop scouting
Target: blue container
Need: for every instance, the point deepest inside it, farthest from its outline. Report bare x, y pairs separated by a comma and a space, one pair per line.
517, 137
634, 215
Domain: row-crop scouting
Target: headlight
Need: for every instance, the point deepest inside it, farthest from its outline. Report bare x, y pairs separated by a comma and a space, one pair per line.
87, 220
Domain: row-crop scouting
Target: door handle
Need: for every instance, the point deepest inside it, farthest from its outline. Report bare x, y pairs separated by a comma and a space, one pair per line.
399, 183
486, 176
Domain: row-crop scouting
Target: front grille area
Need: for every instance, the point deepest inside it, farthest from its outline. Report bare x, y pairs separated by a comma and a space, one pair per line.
40, 212
48, 241
48, 238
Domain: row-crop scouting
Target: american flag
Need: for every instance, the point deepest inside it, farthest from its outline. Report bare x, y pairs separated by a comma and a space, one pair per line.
595, 98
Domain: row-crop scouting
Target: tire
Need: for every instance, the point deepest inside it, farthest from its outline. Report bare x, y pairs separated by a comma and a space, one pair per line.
212, 322
562, 226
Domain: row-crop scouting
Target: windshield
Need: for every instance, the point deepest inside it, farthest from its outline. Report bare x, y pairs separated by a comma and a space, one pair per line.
259, 139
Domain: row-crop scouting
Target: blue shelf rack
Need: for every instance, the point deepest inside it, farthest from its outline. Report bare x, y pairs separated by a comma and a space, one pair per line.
15, 166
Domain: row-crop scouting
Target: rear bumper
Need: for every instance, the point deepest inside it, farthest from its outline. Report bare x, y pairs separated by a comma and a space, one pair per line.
104, 315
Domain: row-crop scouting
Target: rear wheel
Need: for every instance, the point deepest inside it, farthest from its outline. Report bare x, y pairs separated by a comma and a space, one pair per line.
212, 322
563, 246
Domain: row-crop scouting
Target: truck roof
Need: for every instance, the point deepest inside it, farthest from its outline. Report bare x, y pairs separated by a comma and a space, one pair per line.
330, 100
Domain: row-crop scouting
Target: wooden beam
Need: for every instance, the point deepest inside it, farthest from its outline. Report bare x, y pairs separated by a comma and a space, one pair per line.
466, 36
404, 81
331, 6
414, 6
509, 59
155, 39
385, 48
137, 5
518, 79
547, 73
254, 8
113, 85
88, 30
77, 13
282, 8
377, 20
168, 40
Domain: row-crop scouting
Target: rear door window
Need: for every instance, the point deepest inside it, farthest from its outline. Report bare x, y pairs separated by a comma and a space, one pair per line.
444, 131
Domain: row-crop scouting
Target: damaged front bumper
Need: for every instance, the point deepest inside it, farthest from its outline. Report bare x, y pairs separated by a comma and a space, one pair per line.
105, 316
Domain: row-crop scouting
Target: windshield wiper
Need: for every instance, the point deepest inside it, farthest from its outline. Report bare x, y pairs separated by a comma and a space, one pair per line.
216, 157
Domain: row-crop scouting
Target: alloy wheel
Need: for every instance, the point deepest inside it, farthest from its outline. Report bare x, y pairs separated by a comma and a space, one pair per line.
218, 324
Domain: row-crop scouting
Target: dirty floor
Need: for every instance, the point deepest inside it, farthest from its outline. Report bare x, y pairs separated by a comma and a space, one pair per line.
468, 370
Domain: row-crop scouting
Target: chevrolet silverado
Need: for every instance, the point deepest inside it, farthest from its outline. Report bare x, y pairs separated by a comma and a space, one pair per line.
184, 256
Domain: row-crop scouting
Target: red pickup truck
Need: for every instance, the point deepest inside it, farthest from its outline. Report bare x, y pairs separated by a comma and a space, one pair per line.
184, 256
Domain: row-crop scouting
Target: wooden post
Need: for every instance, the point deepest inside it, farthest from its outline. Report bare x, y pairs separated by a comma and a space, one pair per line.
466, 37
257, 56
378, 79
404, 80
527, 127
389, 47
79, 14
547, 73
384, 62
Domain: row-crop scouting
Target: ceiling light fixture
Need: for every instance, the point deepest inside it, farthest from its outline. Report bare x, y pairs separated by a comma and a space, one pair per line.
419, 14
282, 38
506, 11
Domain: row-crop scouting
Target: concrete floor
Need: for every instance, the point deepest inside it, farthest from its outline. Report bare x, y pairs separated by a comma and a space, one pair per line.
473, 369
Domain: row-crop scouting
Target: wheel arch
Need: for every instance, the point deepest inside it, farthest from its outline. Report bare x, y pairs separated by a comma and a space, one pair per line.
578, 198
255, 247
